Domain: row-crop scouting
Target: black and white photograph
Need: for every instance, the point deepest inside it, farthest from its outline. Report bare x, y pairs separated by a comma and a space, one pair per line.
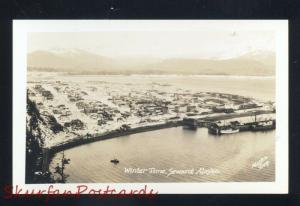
130, 102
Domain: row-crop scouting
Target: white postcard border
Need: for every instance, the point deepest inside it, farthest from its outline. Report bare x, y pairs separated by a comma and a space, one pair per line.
280, 27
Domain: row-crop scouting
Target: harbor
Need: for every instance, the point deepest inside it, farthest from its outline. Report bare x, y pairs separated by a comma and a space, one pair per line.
215, 126
177, 148
77, 116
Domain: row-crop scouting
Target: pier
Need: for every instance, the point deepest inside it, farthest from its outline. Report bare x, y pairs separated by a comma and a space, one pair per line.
231, 123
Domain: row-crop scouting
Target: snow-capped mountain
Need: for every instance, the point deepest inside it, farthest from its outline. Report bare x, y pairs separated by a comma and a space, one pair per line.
81, 61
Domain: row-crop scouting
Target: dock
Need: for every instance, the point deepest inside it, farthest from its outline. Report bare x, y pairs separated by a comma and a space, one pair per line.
232, 123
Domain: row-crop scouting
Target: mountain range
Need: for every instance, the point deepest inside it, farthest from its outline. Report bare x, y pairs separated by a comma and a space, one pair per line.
76, 61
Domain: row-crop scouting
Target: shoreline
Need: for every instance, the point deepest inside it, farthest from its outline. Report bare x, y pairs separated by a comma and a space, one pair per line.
171, 75
82, 140
113, 134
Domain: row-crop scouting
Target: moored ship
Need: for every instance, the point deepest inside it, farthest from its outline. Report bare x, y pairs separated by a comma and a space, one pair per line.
264, 126
218, 129
229, 131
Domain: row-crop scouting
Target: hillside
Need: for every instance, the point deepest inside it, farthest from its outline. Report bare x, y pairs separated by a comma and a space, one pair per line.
39, 128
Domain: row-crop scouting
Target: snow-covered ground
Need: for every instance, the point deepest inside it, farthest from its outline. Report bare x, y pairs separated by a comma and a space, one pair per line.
119, 99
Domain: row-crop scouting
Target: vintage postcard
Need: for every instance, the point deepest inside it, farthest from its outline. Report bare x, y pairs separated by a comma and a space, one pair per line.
165, 106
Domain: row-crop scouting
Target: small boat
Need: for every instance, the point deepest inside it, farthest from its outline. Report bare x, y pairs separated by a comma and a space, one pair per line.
115, 161
229, 131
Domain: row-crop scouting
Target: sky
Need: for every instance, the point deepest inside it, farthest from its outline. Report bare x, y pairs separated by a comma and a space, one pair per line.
159, 44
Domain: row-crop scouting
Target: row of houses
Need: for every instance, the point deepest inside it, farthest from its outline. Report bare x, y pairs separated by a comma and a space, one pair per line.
45, 93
